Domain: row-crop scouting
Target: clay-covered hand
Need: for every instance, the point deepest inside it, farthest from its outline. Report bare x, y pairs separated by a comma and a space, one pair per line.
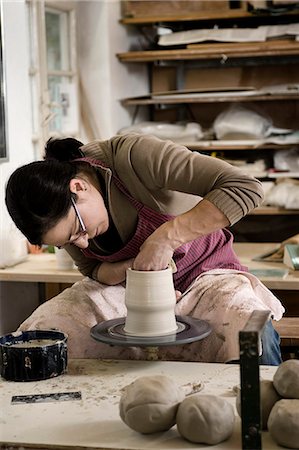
153, 255
113, 273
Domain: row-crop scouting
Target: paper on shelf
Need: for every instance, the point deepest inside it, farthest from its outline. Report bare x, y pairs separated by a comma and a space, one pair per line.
259, 34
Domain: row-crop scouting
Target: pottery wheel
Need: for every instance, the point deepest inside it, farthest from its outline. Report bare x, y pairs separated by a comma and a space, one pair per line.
188, 330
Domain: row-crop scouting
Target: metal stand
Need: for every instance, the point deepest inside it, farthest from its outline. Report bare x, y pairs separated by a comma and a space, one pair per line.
249, 340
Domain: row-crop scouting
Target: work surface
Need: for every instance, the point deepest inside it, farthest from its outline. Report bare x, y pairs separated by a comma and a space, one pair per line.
93, 422
42, 268
39, 268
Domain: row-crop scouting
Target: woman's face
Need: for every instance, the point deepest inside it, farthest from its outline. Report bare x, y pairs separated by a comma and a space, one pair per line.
85, 220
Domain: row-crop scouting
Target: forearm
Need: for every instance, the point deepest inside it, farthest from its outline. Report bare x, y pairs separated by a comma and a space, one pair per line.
157, 250
201, 220
113, 273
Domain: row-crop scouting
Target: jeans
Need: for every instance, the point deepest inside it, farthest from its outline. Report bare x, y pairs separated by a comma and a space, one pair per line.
270, 343
271, 355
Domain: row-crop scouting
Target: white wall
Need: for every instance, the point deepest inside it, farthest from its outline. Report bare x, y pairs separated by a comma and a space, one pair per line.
16, 56
104, 78
17, 300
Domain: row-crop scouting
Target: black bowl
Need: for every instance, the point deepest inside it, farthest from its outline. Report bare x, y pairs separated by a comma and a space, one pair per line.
33, 355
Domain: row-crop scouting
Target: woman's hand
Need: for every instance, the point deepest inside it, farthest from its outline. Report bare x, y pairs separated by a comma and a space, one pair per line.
153, 255
113, 273
157, 250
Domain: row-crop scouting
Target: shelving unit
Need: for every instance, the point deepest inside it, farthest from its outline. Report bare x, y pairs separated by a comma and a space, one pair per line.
198, 67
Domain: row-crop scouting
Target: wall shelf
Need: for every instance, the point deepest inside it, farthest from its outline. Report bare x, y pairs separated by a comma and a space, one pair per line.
224, 67
215, 51
273, 211
213, 99
202, 16
219, 146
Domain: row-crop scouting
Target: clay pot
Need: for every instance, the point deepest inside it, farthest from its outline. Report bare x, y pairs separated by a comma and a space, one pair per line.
150, 300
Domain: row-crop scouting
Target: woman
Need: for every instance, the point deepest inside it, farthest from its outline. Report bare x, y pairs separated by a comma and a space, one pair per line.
136, 201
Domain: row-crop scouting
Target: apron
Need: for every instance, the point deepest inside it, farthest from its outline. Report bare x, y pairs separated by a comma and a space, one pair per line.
213, 251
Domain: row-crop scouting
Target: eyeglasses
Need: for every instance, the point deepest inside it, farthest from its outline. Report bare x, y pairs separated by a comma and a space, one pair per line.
83, 230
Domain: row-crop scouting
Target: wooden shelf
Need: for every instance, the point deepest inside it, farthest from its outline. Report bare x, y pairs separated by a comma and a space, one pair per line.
215, 51
225, 15
218, 146
200, 16
273, 211
135, 101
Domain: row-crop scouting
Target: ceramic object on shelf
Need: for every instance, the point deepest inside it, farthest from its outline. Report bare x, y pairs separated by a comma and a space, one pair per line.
63, 260
13, 247
150, 300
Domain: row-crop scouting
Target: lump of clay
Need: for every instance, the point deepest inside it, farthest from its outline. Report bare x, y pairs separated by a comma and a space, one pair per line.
286, 379
269, 397
283, 423
205, 419
150, 404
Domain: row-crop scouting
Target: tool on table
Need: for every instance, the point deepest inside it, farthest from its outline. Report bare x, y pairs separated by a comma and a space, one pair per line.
44, 398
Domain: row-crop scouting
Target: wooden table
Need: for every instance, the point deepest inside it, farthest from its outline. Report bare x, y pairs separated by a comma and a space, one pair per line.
247, 251
285, 288
42, 268
39, 268
93, 422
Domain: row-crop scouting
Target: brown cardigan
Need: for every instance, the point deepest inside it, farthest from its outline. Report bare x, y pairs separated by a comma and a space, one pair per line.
168, 178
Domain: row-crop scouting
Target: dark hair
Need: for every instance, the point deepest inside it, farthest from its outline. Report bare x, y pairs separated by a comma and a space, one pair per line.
38, 194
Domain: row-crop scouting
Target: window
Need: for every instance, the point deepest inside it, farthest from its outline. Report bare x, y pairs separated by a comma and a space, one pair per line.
54, 78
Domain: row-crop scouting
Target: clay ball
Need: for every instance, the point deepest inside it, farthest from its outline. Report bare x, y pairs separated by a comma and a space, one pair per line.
286, 379
150, 404
205, 419
269, 397
283, 423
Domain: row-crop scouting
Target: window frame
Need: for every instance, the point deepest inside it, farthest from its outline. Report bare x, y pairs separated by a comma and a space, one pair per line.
42, 105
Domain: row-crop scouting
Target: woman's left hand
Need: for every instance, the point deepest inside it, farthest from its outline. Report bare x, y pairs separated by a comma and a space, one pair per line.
153, 255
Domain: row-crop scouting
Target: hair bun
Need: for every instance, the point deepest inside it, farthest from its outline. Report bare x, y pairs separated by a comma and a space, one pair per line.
63, 149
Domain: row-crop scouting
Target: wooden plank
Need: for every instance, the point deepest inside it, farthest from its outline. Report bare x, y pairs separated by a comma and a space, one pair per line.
212, 99
152, 17
219, 146
201, 16
188, 17
174, 9
214, 51
288, 329
273, 210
